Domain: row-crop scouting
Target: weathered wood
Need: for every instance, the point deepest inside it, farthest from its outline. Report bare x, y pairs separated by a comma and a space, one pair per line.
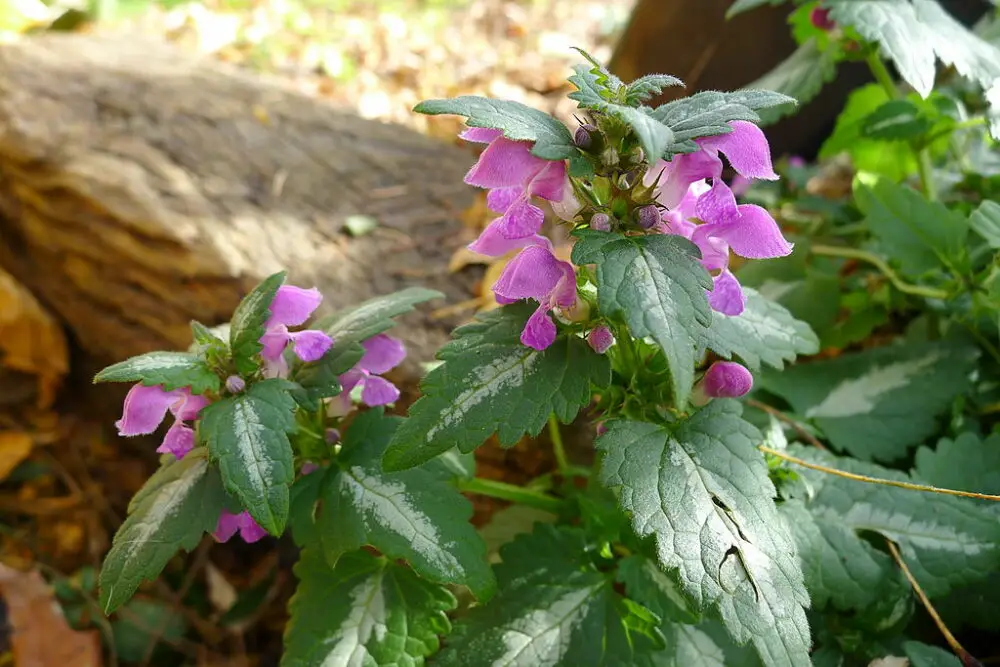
141, 187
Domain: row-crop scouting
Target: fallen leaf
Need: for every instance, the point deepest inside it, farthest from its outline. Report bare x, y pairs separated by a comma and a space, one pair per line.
39, 632
15, 447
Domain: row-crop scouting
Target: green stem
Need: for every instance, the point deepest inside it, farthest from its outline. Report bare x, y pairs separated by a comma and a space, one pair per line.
924, 166
880, 264
515, 494
977, 121
557, 445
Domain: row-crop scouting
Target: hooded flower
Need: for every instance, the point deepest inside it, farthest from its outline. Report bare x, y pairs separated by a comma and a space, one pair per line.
382, 353
145, 408
723, 379
229, 524
291, 307
536, 274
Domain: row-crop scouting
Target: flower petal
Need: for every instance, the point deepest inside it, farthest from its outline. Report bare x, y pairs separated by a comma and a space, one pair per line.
311, 344
727, 296
378, 391
250, 531
680, 173
540, 331
227, 526
480, 135
533, 274
500, 199
718, 205
274, 340
521, 219
382, 352
178, 441
714, 250
505, 164
549, 183
188, 407
569, 206
746, 148
755, 235
494, 244
292, 305
144, 409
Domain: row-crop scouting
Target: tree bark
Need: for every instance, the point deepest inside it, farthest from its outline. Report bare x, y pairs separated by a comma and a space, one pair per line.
141, 188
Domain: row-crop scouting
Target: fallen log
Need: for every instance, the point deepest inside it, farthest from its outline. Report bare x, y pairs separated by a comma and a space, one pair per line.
141, 187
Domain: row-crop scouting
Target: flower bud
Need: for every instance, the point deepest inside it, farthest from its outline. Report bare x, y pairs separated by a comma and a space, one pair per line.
332, 436
578, 312
724, 379
235, 384
601, 429
583, 137
601, 222
600, 339
309, 467
820, 18
648, 216
569, 206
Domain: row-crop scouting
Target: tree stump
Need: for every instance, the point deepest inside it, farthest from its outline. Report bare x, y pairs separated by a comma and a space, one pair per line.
141, 187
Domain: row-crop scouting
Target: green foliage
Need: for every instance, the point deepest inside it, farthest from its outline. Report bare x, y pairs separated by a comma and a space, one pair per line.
703, 477
367, 611
491, 383
517, 121
657, 285
248, 324
177, 505
172, 370
247, 436
879, 403
985, 221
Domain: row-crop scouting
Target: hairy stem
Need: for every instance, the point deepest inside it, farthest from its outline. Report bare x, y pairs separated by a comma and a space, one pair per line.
557, 446
883, 267
510, 492
875, 480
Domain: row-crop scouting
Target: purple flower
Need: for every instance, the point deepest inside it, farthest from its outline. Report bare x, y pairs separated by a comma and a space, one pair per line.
309, 467
513, 175
723, 379
146, 407
291, 307
820, 18
230, 523
235, 384
648, 216
600, 339
382, 353
536, 274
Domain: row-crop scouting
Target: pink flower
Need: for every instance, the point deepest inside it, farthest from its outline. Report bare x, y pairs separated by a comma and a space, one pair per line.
600, 339
146, 407
536, 274
291, 307
230, 523
382, 354
820, 18
723, 379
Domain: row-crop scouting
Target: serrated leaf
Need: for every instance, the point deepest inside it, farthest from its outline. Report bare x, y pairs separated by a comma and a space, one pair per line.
588, 244
985, 221
945, 541
658, 286
247, 435
878, 403
921, 235
174, 508
801, 76
172, 370
700, 489
646, 583
367, 611
896, 120
374, 316
491, 383
922, 655
967, 463
248, 324
553, 609
646, 87
411, 514
765, 332
518, 122
709, 113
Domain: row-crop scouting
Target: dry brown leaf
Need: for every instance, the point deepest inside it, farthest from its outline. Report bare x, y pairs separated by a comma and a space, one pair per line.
39, 632
31, 341
15, 447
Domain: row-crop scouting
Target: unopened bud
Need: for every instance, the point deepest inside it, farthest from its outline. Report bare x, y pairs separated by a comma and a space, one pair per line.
648, 216
601, 222
583, 137
600, 339
601, 429
820, 18
309, 467
332, 436
723, 379
235, 384
578, 312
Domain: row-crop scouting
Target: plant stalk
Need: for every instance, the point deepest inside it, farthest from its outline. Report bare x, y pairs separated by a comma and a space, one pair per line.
510, 492
562, 462
883, 267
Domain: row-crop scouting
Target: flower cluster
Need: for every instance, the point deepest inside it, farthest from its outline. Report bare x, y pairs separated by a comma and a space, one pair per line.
382, 354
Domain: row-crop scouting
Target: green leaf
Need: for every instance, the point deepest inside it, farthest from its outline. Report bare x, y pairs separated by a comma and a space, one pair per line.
411, 514
709, 113
765, 332
801, 76
248, 324
174, 508
967, 463
700, 489
374, 316
945, 541
554, 608
145, 622
172, 370
366, 611
658, 286
246, 434
993, 114
645, 88
588, 244
896, 120
921, 235
878, 403
922, 655
517, 121
647, 584
491, 383
985, 221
